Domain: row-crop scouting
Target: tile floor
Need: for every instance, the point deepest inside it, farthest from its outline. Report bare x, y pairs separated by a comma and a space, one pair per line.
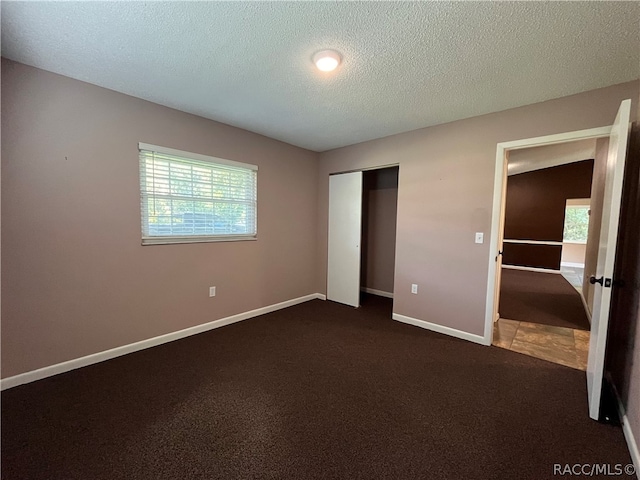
573, 275
565, 346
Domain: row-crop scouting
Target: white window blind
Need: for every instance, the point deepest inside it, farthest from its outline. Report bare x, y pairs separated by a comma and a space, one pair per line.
187, 197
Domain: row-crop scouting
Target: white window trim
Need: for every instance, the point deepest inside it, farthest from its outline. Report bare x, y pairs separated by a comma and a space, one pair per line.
168, 240
578, 202
197, 239
195, 156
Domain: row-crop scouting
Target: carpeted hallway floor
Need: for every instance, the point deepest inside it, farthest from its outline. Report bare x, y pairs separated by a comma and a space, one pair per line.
545, 298
318, 390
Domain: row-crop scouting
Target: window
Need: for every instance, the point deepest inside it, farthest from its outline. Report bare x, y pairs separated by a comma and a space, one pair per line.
187, 197
576, 221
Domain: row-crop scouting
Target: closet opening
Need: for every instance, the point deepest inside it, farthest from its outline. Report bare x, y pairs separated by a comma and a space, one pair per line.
362, 235
379, 217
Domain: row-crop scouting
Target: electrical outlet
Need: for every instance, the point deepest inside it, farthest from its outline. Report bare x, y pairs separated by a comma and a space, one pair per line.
212, 291
414, 288
479, 237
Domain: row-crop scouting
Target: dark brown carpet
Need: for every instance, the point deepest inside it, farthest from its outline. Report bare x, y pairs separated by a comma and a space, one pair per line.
318, 390
546, 298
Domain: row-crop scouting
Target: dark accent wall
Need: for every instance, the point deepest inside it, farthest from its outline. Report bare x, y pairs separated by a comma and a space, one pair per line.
527, 255
535, 206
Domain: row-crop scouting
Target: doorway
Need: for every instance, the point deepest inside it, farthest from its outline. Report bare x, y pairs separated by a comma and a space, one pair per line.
602, 280
540, 307
362, 235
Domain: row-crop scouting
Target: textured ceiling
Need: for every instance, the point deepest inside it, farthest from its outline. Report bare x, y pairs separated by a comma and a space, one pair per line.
406, 65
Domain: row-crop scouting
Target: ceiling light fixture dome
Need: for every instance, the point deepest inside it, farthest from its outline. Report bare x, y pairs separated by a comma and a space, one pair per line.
327, 60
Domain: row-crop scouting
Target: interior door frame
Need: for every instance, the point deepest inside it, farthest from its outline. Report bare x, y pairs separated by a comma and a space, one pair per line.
498, 209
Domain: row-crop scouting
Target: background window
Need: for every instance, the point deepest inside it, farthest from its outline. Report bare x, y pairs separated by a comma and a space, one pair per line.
187, 197
576, 221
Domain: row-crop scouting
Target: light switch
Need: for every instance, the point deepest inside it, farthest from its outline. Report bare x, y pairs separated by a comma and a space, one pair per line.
479, 237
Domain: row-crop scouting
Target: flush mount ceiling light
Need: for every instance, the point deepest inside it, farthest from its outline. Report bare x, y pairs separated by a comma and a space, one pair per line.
327, 60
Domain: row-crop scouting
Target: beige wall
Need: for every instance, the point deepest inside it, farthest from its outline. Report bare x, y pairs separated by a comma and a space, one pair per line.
77, 280
595, 219
445, 195
379, 228
573, 252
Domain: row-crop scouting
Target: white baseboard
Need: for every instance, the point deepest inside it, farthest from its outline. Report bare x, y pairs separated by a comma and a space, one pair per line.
441, 329
584, 304
571, 264
380, 293
530, 269
51, 370
632, 445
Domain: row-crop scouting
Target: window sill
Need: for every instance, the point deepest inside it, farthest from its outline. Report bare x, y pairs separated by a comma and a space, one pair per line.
574, 242
195, 239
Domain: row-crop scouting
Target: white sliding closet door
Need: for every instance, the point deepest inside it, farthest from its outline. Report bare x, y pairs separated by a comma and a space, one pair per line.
345, 224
